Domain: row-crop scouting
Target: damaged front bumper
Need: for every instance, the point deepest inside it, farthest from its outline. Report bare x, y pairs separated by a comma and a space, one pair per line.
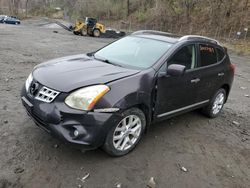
84, 130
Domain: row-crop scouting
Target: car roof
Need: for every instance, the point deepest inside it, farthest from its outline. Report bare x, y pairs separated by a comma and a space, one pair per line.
173, 38
158, 37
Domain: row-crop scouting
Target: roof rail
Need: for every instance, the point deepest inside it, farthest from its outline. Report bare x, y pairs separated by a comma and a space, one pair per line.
153, 32
186, 37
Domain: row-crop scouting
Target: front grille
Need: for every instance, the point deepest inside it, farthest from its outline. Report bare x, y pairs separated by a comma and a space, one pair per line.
46, 94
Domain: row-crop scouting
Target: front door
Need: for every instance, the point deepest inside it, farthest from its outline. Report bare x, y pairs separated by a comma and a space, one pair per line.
175, 94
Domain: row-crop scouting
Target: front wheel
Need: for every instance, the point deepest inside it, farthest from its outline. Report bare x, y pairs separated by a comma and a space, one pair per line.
216, 104
123, 137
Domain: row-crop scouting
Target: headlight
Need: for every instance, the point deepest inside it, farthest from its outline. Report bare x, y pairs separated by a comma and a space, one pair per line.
28, 82
86, 98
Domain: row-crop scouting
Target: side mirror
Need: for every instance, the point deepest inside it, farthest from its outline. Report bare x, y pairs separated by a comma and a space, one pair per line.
176, 70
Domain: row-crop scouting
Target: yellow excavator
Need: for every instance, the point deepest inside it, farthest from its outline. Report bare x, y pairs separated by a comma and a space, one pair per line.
90, 27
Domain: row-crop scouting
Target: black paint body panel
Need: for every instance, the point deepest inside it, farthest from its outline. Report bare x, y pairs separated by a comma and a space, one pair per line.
151, 90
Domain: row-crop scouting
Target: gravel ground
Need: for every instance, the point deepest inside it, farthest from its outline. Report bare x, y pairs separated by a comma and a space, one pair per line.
215, 152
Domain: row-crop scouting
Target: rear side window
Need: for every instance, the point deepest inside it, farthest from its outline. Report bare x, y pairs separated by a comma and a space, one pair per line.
208, 55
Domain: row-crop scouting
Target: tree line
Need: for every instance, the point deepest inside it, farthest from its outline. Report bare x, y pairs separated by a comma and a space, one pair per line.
211, 17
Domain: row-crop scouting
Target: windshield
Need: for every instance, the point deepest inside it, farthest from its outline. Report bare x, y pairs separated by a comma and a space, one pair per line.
133, 51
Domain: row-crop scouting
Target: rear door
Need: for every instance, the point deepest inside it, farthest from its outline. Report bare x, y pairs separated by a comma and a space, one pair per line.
212, 70
177, 93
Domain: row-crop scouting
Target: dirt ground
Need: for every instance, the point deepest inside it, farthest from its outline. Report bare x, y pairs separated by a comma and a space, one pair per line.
215, 152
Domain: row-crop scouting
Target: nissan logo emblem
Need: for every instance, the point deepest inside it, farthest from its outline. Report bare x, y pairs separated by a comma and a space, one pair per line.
34, 88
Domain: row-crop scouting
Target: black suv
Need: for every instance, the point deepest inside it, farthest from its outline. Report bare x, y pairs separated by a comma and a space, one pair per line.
109, 97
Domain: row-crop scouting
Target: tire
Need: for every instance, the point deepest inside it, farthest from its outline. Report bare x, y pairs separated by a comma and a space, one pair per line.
84, 32
76, 33
123, 132
96, 33
90, 31
215, 107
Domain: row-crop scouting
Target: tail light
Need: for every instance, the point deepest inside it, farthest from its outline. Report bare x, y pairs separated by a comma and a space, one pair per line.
232, 67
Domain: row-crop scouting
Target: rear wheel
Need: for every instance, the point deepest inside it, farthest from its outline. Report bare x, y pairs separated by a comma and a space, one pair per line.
84, 32
124, 136
97, 33
216, 104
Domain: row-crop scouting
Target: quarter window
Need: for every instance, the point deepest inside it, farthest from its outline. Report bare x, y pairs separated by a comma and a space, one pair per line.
220, 54
208, 55
185, 56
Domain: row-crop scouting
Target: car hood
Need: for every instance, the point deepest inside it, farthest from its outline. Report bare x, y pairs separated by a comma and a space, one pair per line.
72, 72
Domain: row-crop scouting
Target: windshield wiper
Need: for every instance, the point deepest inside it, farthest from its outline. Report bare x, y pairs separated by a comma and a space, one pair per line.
107, 61
91, 54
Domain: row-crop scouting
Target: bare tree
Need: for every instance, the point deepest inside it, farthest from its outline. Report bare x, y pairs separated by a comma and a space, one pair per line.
128, 7
26, 8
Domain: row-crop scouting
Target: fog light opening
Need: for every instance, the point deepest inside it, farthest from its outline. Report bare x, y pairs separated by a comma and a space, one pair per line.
77, 132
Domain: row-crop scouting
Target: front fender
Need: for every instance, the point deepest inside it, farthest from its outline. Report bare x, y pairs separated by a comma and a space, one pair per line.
129, 92
134, 99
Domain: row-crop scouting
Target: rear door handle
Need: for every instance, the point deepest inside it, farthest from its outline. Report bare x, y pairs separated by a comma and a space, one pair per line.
195, 80
221, 74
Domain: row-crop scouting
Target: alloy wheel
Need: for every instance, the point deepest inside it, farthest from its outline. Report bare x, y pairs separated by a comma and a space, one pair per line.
127, 132
218, 103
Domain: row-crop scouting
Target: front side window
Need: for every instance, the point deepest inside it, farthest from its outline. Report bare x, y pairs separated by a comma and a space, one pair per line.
186, 56
134, 51
208, 55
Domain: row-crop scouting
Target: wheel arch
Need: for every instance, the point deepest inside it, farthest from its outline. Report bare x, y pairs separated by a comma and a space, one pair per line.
146, 110
227, 89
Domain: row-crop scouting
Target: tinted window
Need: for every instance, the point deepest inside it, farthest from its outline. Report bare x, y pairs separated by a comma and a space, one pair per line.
220, 54
208, 55
185, 56
134, 51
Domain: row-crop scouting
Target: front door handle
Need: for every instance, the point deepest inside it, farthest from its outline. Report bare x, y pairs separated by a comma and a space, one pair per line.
221, 74
195, 80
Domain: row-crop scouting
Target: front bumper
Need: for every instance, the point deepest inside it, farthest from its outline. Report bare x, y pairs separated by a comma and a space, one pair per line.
59, 120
